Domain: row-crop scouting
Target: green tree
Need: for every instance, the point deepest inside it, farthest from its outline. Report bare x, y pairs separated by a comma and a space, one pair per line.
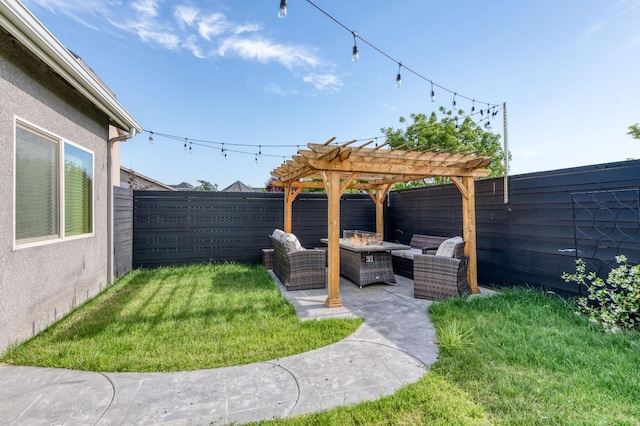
634, 131
452, 133
206, 186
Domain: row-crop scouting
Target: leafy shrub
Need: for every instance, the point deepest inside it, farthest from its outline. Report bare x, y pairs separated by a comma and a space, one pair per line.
615, 303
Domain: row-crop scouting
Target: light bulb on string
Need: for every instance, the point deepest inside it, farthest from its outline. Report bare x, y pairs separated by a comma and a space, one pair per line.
259, 150
399, 77
355, 56
185, 144
190, 148
473, 106
457, 127
256, 158
433, 93
454, 100
282, 13
150, 137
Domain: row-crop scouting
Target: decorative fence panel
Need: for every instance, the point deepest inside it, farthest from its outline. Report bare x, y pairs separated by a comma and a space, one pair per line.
175, 228
534, 238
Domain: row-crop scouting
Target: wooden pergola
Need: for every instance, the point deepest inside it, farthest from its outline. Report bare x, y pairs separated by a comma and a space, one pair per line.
337, 168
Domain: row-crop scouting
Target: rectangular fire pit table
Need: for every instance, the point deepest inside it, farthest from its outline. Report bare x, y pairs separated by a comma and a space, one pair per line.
367, 263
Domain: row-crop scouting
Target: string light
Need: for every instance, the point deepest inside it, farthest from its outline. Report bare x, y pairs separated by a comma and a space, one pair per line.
150, 137
282, 13
224, 150
473, 106
400, 65
453, 103
355, 56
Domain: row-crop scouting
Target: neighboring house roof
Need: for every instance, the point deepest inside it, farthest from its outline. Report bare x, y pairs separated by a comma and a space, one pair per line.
144, 181
238, 186
18, 21
184, 186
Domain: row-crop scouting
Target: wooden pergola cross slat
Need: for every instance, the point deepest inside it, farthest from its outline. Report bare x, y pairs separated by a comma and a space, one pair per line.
338, 167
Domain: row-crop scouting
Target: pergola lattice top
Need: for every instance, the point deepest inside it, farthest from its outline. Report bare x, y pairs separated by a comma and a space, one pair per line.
371, 167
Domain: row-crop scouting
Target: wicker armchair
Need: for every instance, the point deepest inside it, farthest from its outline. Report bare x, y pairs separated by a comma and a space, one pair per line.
437, 277
298, 268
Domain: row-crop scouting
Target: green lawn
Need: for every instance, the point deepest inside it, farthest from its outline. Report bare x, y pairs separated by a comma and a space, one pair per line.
186, 318
519, 358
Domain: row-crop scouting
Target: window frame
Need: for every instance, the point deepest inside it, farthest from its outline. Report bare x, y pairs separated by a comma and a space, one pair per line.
61, 143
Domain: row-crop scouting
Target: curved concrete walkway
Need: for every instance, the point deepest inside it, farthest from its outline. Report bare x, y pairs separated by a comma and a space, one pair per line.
394, 347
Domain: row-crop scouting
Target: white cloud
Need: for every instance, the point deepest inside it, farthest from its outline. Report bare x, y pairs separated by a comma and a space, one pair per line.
246, 28
180, 26
146, 7
213, 26
324, 81
266, 51
185, 15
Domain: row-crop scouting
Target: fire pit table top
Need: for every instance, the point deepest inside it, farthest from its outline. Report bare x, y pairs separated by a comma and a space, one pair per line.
351, 245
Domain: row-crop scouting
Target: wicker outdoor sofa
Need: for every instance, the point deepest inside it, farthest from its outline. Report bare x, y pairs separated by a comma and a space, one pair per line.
420, 244
443, 274
297, 268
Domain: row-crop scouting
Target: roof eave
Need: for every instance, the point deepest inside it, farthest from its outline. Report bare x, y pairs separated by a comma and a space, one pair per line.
25, 27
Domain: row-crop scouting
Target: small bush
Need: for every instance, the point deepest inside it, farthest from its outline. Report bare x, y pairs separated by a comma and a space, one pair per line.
615, 303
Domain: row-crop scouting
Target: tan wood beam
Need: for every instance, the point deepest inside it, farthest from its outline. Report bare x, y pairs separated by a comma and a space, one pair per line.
396, 169
458, 182
469, 230
332, 187
290, 194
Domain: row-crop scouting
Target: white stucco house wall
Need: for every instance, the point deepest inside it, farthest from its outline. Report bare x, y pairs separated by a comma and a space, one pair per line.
58, 125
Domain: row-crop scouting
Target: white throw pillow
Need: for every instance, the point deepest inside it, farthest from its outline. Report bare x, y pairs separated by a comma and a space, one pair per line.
277, 234
291, 243
448, 247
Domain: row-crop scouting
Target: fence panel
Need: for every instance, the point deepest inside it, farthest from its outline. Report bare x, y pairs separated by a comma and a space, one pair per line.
174, 228
122, 231
536, 237
531, 240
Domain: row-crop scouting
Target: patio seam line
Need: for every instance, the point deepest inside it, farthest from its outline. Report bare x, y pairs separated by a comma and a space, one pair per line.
295, 379
113, 396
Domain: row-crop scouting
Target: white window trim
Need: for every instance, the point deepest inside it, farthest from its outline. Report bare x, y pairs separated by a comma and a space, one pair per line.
17, 245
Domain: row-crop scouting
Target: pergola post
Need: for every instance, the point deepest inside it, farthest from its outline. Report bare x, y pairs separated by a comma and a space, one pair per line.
469, 230
332, 187
290, 195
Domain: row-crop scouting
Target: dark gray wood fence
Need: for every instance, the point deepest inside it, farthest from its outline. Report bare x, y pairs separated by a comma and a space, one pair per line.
175, 228
122, 230
552, 217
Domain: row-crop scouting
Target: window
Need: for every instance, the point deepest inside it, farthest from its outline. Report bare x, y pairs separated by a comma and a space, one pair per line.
78, 191
48, 189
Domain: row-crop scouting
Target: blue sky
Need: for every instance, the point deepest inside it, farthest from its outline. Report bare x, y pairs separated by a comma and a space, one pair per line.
222, 71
